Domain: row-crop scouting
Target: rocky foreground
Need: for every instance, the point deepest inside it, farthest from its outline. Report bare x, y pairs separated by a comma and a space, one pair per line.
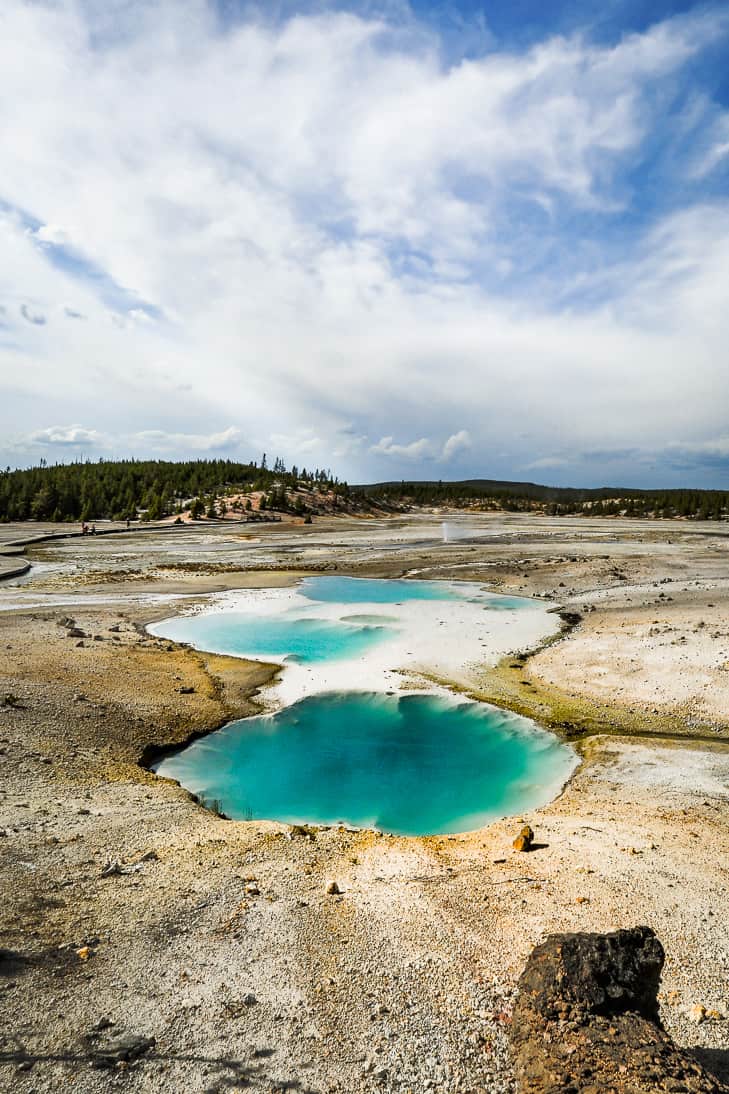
586, 1020
148, 945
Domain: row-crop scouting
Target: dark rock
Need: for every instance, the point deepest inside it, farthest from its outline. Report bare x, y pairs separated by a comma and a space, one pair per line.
598, 973
570, 618
101, 1025
128, 1047
12, 962
586, 1020
186, 689
76, 632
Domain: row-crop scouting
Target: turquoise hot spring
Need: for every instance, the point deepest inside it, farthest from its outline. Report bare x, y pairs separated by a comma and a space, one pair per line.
406, 763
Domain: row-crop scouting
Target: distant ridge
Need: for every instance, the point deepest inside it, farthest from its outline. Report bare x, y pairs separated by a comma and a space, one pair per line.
506, 486
597, 501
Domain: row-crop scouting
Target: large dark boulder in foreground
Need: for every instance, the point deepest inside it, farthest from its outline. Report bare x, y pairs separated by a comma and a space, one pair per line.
586, 1020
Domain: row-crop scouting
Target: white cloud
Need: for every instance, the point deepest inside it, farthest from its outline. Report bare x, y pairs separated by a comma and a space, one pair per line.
416, 450
141, 443
712, 448
69, 435
156, 439
296, 445
52, 233
547, 462
717, 149
422, 448
398, 266
456, 445
32, 316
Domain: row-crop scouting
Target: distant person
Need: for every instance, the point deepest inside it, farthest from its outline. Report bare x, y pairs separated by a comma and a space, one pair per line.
93, 529
129, 523
84, 528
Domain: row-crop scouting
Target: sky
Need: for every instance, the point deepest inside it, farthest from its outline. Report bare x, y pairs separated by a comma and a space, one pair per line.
401, 240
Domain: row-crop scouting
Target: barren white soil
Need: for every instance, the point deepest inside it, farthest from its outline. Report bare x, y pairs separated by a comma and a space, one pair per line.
214, 948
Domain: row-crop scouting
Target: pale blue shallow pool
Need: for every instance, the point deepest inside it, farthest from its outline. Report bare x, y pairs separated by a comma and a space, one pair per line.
306, 640
417, 764
366, 590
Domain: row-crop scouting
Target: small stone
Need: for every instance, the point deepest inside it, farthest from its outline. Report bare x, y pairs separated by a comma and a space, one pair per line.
332, 888
303, 831
102, 1024
523, 841
249, 1000
696, 1013
79, 697
84, 953
126, 1048
186, 689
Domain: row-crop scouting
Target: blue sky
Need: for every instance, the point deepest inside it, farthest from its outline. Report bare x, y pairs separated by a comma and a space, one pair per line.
402, 240
522, 22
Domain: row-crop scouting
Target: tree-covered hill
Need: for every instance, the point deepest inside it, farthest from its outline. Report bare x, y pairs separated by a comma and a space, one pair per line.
124, 489
555, 500
154, 489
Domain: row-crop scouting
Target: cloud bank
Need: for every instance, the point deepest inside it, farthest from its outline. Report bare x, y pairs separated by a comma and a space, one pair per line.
325, 236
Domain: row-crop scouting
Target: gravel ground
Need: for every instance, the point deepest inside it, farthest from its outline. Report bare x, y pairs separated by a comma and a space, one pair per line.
151, 946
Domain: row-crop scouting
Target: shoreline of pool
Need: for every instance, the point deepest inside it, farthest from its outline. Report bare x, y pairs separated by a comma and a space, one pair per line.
436, 616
